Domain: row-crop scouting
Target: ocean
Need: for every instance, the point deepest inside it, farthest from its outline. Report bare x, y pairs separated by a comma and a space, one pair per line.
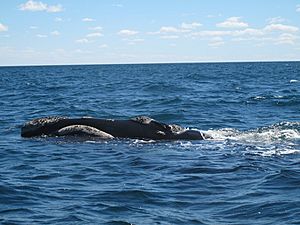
248, 174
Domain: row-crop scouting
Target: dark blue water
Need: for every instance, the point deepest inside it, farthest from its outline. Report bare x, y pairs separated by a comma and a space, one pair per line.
249, 174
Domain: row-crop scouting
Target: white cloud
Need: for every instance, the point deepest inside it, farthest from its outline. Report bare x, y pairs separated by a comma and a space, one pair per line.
298, 8
211, 33
42, 35
127, 32
33, 27
252, 39
40, 6
103, 46
191, 26
248, 32
287, 38
54, 8
281, 27
55, 33
216, 42
3, 27
286, 34
79, 51
93, 35
135, 41
233, 22
89, 38
33, 6
86, 19
277, 19
83, 41
169, 37
183, 28
96, 28
169, 29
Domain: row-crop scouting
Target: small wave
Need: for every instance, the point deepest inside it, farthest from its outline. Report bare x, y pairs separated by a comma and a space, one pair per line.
140, 141
259, 97
285, 99
278, 96
276, 152
118, 222
294, 81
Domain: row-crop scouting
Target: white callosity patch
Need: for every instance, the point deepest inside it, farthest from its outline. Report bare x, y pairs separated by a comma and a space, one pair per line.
36, 123
83, 130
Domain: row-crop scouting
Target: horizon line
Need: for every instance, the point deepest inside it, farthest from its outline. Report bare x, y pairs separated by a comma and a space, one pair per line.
151, 63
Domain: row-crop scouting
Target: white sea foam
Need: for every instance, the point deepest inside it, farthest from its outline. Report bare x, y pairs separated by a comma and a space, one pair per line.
278, 96
276, 133
294, 81
259, 97
140, 141
279, 139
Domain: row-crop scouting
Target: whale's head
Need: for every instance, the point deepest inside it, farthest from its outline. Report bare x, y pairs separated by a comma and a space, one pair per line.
41, 126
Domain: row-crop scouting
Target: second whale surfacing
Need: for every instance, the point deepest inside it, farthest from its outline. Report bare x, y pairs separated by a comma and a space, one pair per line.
141, 127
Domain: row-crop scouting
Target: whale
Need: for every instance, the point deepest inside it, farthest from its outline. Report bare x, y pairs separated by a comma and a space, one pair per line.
140, 127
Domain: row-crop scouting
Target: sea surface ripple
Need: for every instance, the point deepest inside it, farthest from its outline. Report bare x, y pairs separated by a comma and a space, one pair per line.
248, 174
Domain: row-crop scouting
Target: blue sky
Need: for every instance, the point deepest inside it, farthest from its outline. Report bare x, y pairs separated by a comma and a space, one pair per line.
132, 31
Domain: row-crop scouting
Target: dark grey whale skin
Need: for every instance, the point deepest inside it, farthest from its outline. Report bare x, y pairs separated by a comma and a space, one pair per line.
148, 129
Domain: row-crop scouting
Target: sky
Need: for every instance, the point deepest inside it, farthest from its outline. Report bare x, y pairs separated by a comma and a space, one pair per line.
157, 31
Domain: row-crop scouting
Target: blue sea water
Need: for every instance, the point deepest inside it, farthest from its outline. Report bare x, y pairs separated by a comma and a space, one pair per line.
248, 174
